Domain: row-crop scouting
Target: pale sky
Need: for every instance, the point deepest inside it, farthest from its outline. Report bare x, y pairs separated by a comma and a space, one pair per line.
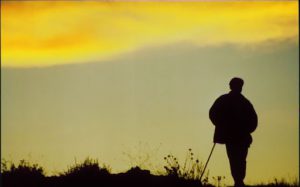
98, 79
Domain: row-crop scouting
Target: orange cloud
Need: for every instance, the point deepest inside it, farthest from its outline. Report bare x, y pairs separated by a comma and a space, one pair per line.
49, 33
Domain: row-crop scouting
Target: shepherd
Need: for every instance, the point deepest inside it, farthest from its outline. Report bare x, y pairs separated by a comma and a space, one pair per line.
235, 119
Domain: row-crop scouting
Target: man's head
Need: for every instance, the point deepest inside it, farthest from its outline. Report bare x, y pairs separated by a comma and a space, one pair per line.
236, 84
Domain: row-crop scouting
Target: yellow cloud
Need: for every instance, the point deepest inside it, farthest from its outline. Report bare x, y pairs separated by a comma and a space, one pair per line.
49, 33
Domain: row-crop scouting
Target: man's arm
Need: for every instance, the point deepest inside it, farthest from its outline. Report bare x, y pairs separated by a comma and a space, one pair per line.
253, 120
215, 112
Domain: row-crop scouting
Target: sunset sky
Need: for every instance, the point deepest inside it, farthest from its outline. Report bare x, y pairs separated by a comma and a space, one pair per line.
108, 79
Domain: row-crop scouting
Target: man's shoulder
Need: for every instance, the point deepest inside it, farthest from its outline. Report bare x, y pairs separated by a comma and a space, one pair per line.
232, 97
223, 97
221, 100
246, 99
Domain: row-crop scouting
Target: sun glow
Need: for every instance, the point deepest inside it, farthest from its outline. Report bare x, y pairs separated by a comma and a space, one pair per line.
49, 33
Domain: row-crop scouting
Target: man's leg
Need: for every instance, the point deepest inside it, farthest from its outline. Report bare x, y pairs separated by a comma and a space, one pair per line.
237, 158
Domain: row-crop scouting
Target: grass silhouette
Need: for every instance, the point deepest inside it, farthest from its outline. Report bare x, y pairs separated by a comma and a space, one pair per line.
24, 174
89, 173
190, 170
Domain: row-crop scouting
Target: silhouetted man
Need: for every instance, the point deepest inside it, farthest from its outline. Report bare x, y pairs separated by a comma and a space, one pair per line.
235, 119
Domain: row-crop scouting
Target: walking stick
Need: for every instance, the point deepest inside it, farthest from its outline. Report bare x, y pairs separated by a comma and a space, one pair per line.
207, 161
